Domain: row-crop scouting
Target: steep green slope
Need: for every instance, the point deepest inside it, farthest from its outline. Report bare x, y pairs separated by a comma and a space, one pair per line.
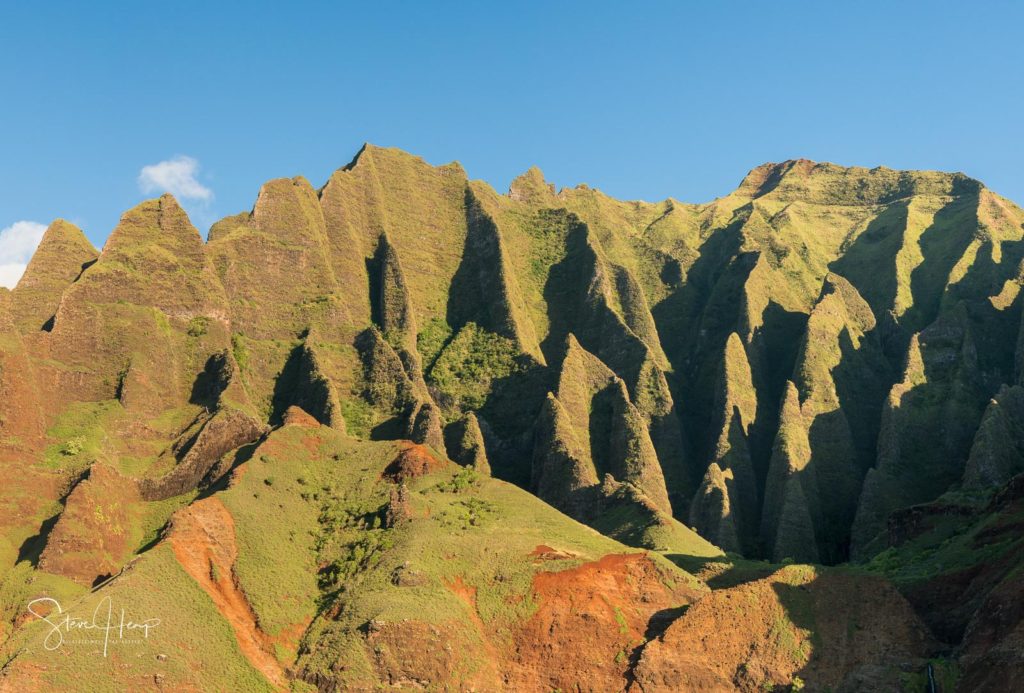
332, 560
782, 371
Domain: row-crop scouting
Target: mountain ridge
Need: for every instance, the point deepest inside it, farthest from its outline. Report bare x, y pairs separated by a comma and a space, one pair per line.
786, 368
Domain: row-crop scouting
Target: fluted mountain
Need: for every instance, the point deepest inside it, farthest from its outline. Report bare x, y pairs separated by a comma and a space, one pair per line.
779, 374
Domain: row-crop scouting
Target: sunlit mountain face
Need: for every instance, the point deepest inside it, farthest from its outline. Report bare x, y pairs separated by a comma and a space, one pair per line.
403, 431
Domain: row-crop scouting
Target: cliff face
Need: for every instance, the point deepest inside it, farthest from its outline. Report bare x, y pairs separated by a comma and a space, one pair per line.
781, 370
403, 297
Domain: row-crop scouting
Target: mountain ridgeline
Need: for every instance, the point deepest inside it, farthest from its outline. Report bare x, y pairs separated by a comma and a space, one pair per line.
350, 439
780, 369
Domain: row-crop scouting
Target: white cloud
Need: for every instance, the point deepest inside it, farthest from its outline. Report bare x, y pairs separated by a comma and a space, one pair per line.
176, 176
17, 243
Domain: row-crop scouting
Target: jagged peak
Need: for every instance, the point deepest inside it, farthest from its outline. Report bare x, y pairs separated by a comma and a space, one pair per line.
762, 179
355, 159
737, 391
370, 153
580, 368
711, 512
279, 197
63, 250
559, 422
913, 369
715, 476
61, 231
394, 307
160, 221
278, 188
572, 344
466, 443
62, 256
790, 409
840, 324
734, 344
791, 450
531, 186
790, 455
857, 309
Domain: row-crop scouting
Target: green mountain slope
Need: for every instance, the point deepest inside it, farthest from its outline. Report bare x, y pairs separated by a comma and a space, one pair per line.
778, 374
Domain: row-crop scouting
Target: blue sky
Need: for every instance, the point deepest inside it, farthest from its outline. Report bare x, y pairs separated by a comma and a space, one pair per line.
642, 100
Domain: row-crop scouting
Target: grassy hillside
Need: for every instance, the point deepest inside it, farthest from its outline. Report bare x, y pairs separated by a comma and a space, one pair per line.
376, 419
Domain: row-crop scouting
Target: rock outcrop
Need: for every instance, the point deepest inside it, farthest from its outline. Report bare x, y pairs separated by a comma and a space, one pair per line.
464, 440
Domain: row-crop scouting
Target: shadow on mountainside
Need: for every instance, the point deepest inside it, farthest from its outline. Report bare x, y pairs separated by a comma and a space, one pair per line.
954, 381
848, 632
842, 443
678, 312
871, 264
32, 548
720, 572
773, 350
942, 244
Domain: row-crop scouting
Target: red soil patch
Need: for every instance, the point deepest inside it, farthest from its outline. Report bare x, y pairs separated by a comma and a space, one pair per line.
588, 621
467, 593
26, 494
412, 655
790, 624
412, 462
464, 592
294, 416
587, 624
312, 444
203, 539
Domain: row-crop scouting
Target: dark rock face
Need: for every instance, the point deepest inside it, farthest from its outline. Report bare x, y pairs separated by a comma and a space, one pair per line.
465, 442
224, 431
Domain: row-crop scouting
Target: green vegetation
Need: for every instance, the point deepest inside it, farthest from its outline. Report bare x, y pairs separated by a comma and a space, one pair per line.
80, 434
796, 347
463, 514
198, 326
946, 673
466, 368
459, 531
240, 351
464, 479
432, 339
358, 415
951, 544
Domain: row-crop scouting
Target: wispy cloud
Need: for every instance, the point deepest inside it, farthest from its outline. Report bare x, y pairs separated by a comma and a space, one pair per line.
176, 176
17, 243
